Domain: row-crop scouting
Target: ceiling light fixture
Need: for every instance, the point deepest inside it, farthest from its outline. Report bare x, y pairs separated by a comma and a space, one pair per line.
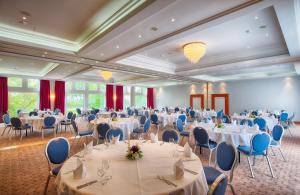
117, 46
106, 75
101, 54
256, 17
172, 19
139, 36
194, 51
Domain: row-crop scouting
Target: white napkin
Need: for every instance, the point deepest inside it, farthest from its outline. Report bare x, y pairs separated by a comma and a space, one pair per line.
256, 127
187, 150
115, 140
80, 170
154, 137
178, 169
234, 122
88, 148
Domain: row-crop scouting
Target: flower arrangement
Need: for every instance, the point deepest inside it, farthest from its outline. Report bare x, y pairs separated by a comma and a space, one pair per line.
134, 153
114, 119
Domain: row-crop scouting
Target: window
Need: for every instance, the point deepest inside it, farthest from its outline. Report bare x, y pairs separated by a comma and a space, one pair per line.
75, 101
69, 86
92, 86
127, 96
23, 94
95, 101
14, 82
140, 97
79, 86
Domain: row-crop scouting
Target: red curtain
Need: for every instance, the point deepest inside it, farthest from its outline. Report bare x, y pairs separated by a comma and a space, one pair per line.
119, 96
59, 101
109, 96
150, 98
3, 96
45, 94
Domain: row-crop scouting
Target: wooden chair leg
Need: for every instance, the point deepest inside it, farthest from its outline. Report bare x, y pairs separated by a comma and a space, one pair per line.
46, 186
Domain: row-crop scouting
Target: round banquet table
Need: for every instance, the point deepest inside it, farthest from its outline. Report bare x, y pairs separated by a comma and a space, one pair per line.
134, 177
271, 121
126, 124
167, 119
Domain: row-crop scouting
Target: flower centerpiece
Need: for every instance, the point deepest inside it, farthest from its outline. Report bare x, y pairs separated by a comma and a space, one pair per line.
219, 123
134, 152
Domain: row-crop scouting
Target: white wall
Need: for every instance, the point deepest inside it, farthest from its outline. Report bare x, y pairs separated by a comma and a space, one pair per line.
272, 94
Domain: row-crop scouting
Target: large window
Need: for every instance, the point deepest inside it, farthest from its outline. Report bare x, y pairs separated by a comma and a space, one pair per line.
140, 97
84, 95
127, 96
23, 94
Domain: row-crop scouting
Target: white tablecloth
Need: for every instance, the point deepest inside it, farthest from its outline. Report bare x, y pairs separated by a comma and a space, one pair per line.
167, 119
134, 177
235, 134
126, 124
271, 121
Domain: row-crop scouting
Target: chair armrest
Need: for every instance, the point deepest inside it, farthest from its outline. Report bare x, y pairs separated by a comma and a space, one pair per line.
215, 184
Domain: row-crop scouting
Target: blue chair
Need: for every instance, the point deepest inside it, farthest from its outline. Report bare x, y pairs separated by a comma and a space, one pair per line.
57, 152
203, 141
129, 112
91, 117
220, 114
114, 132
93, 112
226, 119
170, 134
192, 114
283, 120
142, 120
143, 130
57, 111
67, 121
246, 121
6, 120
277, 134
136, 112
258, 147
123, 115
207, 119
80, 134
18, 126
78, 110
182, 117
219, 185
113, 115
180, 128
254, 113
225, 161
33, 113
147, 113
49, 123
262, 123
176, 109
154, 120
102, 129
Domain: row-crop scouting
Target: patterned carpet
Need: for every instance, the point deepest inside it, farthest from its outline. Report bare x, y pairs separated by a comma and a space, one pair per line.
23, 167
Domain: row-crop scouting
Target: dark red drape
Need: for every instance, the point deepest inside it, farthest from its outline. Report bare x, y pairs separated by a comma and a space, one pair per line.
59, 101
45, 94
109, 96
3, 96
150, 98
119, 96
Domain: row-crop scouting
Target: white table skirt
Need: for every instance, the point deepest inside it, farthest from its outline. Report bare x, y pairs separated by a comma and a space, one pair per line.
167, 119
134, 177
271, 122
37, 122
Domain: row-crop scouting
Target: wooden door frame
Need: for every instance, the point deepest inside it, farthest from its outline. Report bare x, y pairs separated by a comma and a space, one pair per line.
201, 96
224, 95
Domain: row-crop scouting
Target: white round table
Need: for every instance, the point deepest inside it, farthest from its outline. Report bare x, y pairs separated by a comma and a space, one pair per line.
134, 177
167, 119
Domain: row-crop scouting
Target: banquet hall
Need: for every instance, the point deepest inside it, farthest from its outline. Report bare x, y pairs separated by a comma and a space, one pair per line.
144, 97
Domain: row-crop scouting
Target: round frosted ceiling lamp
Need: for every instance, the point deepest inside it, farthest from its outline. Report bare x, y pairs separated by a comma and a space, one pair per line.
194, 51
106, 75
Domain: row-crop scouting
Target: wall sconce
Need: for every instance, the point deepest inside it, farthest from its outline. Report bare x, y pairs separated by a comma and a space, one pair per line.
115, 97
52, 97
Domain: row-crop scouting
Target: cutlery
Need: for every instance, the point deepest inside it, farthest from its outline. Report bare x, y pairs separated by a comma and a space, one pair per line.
187, 160
145, 141
190, 171
86, 184
67, 172
166, 181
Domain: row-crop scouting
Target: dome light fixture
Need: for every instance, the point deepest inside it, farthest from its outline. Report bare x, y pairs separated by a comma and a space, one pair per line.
194, 51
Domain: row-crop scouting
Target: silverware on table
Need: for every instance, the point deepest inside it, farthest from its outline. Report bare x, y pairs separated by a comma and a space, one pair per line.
190, 171
187, 160
166, 181
145, 141
86, 184
67, 172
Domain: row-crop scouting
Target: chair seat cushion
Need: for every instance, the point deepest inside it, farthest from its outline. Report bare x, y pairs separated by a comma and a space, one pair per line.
155, 123
56, 170
48, 127
185, 133
211, 145
65, 122
138, 130
87, 132
26, 126
246, 150
211, 174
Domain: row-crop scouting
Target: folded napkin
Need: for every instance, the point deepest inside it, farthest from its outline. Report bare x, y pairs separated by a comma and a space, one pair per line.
256, 127
187, 150
178, 169
80, 170
234, 122
88, 148
115, 140
154, 137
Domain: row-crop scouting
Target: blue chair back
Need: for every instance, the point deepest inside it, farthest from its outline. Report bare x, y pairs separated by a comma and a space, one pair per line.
142, 120
56, 111
33, 113
220, 114
284, 116
129, 112
147, 113
136, 112
102, 129
226, 119
122, 115
69, 115
207, 120
91, 117
262, 123
147, 126
244, 121
260, 142
179, 125
78, 111
225, 156
182, 117
57, 150
176, 109
114, 132
49, 121
168, 134
93, 112
277, 132
167, 109
201, 135
254, 113
16, 122
113, 115
192, 114
6, 119
154, 118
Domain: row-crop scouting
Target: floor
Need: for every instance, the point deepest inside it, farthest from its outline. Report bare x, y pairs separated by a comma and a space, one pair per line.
23, 167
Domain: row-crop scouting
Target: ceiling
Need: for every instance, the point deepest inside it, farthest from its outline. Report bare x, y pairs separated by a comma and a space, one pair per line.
141, 41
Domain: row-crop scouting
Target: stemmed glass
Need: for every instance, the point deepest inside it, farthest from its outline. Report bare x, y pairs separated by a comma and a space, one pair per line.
103, 168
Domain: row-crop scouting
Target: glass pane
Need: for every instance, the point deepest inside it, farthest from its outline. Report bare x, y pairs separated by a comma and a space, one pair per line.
138, 90
75, 101
144, 91
126, 101
127, 89
14, 82
33, 83
79, 85
69, 85
102, 88
96, 101
92, 86
24, 101
140, 101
